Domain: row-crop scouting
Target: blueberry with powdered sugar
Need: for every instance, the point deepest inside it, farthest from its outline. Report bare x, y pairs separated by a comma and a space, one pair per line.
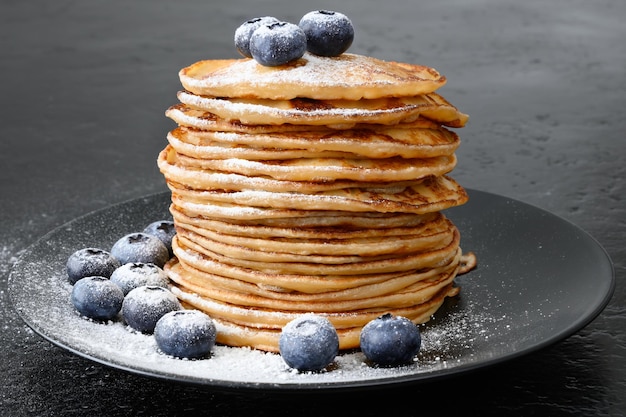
185, 334
328, 33
277, 43
88, 262
164, 230
144, 306
140, 247
97, 298
309, 343
136, 274
390, 340
245, 31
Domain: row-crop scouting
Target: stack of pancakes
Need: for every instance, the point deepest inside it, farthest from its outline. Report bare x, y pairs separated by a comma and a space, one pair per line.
316, 186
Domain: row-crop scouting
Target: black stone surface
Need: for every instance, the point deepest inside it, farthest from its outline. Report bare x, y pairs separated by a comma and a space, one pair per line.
83, 89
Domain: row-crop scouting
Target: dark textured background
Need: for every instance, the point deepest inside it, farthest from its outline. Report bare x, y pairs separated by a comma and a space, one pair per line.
83, 89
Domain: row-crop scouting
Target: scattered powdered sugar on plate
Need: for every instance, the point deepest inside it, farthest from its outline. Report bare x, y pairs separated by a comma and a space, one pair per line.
448, 341
502, 311
464, 333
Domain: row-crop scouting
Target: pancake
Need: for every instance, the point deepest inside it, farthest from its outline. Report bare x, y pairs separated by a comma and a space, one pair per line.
348, 77
274, 318
419, 197
328, 169
188, 116
198, 145
343, 229
205, 283
196, 262
420, 140
175, 171
305, 248
383, 296
335, 113
332, 266
290, 219
303, 287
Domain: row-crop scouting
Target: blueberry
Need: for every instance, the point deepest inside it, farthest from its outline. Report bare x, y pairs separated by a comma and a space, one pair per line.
185, 334
140, 247
309, 343
277, 43
390, 340
90, 262
145, 305
164, 230
97, 298
245, 31
328, 33
136, 274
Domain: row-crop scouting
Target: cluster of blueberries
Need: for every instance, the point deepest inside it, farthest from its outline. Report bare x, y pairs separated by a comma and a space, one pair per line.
129, 279
272, 42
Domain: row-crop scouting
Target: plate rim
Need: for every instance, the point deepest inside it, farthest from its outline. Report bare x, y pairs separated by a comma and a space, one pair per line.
420, 377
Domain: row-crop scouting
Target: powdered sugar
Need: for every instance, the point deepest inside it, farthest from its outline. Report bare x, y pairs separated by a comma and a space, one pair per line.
506, 307
464, 333
450, 341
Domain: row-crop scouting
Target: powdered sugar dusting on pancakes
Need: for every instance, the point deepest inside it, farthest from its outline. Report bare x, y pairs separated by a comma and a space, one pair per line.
311, 69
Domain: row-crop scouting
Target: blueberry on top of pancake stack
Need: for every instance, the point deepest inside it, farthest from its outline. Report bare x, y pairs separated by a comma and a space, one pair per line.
308, 179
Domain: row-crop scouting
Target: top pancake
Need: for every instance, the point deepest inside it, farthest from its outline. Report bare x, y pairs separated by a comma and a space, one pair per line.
346, 77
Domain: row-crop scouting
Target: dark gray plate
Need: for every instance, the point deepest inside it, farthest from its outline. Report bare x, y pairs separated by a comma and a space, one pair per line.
539, 280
